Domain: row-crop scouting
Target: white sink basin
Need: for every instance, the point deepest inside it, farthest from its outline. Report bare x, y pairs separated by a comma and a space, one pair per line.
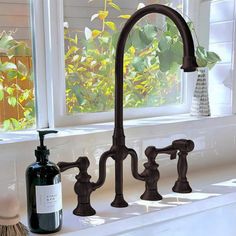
209, 210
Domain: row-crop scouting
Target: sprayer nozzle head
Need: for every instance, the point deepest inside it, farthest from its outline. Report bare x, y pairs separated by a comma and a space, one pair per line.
189, 64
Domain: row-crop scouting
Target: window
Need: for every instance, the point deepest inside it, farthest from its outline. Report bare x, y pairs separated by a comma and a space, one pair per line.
151, 78
151, 75
61, 110
16, 77
74, 47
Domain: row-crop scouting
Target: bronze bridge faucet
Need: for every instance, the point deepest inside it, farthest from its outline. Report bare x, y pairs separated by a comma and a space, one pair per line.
119, 151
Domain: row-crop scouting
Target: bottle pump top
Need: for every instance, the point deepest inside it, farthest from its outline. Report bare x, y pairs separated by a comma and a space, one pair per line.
42, 151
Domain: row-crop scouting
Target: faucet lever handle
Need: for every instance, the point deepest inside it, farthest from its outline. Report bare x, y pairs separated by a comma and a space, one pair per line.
151, 176
83, 187
170, 150
183, 145
82, 163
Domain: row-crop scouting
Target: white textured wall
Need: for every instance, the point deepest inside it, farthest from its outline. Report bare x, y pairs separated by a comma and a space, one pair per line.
222, 39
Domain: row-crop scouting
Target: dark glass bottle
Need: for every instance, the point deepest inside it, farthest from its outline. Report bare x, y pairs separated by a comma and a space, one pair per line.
43, 186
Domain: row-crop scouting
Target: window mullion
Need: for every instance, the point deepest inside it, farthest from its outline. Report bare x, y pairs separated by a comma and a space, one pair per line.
234, 64
54, 51
38, 52
191, 12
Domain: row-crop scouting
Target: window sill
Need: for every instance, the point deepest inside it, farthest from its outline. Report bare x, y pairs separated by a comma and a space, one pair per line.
166, 123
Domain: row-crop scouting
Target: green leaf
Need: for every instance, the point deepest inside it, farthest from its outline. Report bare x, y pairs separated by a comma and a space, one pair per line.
190, 25
26, 113
114, 38
213, 57
7, 66
10, 90
12, 74
71, 51
6, 42
139, 64
12, 101
20, 49
177, 50
201, 56
6, 124
150, 32
111, 25
26, 94
15, 123
115, 6
137, 39
22, 68
165, 43
201, 52
96, 33
153, 61
172, 29
124, 16
201, 62
1, 94
102, 15
104, 39
174, 67
166, 59
139, 86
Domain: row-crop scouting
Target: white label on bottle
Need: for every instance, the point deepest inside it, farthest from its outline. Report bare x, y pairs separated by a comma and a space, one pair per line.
48, 198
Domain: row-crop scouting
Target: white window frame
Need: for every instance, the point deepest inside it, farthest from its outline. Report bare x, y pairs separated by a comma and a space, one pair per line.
39, 67
49, 72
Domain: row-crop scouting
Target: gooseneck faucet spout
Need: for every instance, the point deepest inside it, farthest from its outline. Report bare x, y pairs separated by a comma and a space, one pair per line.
189, 60
118, 151
189, 64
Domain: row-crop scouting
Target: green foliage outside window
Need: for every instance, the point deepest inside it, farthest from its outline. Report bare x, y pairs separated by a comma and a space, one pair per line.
151, 68
150, 78
11, 75
151, 64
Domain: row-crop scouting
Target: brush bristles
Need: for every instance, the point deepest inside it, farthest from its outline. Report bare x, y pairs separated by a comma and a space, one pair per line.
14, 230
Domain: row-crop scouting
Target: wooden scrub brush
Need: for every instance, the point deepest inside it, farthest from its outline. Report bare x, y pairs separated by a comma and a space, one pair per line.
10, 224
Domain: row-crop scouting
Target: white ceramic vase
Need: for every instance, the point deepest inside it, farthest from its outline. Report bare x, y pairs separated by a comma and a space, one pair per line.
200, 101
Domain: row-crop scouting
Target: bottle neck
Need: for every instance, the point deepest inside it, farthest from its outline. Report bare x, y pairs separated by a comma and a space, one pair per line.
42, 159
42, 155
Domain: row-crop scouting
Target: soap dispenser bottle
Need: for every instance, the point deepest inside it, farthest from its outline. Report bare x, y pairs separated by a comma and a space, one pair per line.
43, 186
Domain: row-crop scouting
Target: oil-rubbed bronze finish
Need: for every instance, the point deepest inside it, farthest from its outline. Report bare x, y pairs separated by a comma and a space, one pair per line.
181, 147
83, 187
184, 147
118, 152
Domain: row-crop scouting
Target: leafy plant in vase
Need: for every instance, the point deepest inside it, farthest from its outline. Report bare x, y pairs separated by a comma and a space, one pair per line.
200, 101
205, 60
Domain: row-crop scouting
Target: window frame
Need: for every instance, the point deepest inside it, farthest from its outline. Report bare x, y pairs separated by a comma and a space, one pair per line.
39, 69
49, 66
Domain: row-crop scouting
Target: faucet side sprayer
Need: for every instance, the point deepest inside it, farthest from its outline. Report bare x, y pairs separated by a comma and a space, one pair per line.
118, 151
